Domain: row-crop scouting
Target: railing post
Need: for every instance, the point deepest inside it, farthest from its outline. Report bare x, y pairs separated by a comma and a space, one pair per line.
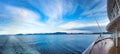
116, 37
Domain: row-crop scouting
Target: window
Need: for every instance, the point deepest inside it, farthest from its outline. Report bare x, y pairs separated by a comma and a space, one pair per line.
116, 9
114, 12
118, 1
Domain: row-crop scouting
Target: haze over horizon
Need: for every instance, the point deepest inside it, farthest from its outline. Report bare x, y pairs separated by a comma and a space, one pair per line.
46, 16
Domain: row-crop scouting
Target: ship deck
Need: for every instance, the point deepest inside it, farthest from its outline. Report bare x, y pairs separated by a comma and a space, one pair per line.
104, 46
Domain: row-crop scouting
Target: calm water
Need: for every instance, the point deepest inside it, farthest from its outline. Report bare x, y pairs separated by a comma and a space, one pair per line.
57, 44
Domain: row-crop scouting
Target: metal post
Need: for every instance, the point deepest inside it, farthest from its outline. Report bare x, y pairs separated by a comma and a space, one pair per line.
116, 37
98, 25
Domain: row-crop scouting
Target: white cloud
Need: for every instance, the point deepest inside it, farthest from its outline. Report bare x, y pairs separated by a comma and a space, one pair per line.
21, 15
100, 7
78, 24
72, 31
71, 25
97, 11
54, 9
23, 21
27, 21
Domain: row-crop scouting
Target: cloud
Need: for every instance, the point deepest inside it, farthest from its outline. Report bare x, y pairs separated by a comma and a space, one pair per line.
91, 29
72, 24
88, 27
73, 31
52, 9
55, 9
22, 21
60, 16
98, 7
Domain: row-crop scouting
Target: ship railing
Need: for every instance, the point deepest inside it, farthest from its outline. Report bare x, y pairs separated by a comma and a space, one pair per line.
90, 48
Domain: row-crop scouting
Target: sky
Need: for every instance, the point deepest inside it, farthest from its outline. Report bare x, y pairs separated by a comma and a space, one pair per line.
48, 16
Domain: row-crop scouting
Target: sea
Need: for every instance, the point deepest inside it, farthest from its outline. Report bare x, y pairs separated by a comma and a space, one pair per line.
46, 44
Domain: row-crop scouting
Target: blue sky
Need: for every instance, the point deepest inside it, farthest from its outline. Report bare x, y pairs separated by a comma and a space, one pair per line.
44, 16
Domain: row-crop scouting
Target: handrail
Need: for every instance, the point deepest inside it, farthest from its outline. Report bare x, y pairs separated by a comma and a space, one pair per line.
90, 48
97, 41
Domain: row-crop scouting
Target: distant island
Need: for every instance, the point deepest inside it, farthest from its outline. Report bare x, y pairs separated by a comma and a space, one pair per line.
59, 33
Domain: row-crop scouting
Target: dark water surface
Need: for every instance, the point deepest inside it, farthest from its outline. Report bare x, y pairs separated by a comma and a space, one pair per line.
52, 44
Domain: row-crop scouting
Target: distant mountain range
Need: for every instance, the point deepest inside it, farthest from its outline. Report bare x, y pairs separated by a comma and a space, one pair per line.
56, 33
59, 33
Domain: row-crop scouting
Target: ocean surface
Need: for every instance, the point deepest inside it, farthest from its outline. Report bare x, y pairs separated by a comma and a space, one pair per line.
46, 44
